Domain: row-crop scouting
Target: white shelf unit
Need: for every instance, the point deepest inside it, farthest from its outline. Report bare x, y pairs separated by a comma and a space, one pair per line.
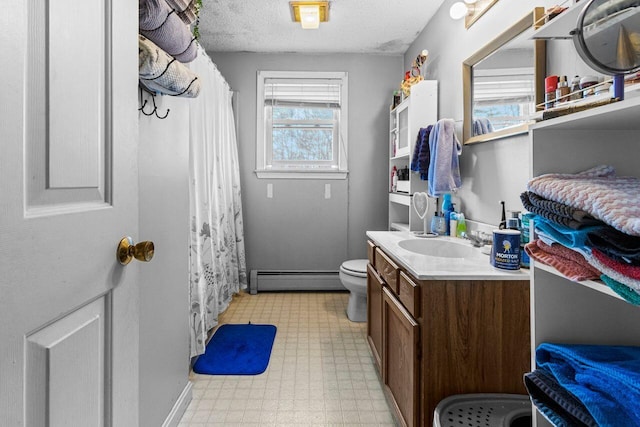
587, 312
419, 110
561, 26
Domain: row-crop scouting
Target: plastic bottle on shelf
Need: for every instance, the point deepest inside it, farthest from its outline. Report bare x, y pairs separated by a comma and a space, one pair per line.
575, 89
562, 91
394, 179
462, 225
453, 223
447, 208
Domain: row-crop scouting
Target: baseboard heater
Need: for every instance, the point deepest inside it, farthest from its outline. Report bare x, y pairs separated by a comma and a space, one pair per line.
294, 280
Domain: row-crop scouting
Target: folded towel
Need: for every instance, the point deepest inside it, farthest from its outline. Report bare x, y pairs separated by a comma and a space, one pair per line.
161, 73
629, 270
615, 274
444, 170
616, 245
609, 198
559, 208
574, 239
569, 263
421, 153
530, 201
160, 24
606, 379
557, 405
624, 291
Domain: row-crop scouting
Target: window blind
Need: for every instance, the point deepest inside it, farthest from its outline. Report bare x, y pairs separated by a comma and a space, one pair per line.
312, 93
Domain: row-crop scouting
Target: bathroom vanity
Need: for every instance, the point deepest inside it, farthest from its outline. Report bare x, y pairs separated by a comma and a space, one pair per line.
442, 321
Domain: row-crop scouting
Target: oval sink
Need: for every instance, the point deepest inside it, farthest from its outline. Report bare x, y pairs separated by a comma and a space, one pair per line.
437, 248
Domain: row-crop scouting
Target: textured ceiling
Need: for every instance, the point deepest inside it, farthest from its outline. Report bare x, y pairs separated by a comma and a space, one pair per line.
355, 26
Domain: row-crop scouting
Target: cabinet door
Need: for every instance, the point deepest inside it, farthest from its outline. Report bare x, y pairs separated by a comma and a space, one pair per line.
374, 314
404, 135
400, 359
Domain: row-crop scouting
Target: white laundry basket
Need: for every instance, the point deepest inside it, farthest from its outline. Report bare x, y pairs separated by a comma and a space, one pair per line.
483, 410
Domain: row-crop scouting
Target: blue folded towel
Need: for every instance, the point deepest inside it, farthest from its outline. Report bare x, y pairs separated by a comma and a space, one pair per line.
444, 170
606, 379
567, 236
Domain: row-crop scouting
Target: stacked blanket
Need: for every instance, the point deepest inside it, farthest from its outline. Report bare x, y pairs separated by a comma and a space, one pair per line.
160, 23
161, 73
586, 385
594, 214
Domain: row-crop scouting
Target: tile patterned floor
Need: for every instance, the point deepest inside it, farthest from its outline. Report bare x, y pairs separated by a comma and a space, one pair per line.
321, 371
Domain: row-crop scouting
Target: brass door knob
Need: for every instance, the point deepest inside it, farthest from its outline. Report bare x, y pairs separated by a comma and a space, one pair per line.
127, 251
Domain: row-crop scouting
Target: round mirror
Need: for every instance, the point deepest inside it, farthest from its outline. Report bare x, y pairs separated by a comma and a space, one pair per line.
607, 36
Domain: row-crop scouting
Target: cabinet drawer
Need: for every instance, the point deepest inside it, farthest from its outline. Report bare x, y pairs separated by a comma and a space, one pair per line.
387, 269
409, 294
371, 252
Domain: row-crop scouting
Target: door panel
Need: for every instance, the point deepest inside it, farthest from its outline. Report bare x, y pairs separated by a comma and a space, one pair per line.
67, 101
65, 356
68, 193
400, 359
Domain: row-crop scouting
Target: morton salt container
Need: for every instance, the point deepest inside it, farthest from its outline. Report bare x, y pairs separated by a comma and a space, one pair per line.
505, 251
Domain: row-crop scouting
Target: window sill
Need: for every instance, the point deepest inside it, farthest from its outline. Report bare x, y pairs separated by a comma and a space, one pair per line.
299, 174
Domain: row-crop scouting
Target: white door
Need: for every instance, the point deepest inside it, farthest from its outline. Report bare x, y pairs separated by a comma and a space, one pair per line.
68, 193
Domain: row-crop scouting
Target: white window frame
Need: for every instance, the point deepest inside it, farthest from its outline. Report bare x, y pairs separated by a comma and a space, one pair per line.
267, 169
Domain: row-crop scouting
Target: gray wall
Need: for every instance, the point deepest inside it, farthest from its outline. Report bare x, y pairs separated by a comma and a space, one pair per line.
491, 171
164, 282
298, 228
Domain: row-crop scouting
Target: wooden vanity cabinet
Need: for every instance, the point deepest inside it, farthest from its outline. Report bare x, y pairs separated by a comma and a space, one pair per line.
401, 359
374, 314
444, 337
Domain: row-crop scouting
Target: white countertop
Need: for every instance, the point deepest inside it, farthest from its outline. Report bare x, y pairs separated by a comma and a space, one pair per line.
423, 267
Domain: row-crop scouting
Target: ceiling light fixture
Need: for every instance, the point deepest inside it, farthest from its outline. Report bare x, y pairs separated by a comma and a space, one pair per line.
309, 13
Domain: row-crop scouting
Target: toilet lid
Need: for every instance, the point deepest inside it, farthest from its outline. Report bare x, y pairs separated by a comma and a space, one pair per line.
358, 266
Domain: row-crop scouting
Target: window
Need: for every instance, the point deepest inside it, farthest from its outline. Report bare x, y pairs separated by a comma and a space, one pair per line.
504, 96
301, 125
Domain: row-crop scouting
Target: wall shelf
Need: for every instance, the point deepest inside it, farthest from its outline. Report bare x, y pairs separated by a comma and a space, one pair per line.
399, 226
620, 115
561, 26
593, 284
400, 199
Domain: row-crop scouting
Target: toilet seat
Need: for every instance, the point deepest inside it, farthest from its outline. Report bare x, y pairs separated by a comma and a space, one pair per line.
355, 267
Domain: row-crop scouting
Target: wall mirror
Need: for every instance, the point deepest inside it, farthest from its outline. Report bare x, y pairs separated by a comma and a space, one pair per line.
504, 81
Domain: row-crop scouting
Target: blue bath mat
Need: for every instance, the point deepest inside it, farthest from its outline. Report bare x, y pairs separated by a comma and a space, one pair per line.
237, 350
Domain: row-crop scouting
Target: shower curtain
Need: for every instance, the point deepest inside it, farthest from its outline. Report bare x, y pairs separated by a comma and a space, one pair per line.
217, 258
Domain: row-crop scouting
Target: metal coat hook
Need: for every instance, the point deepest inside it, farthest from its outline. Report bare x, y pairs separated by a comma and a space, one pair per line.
154, 111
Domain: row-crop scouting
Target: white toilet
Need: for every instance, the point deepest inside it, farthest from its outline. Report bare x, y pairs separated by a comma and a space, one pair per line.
353, 275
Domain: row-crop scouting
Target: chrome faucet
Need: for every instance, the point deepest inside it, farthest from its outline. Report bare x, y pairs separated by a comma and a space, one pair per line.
479, 238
